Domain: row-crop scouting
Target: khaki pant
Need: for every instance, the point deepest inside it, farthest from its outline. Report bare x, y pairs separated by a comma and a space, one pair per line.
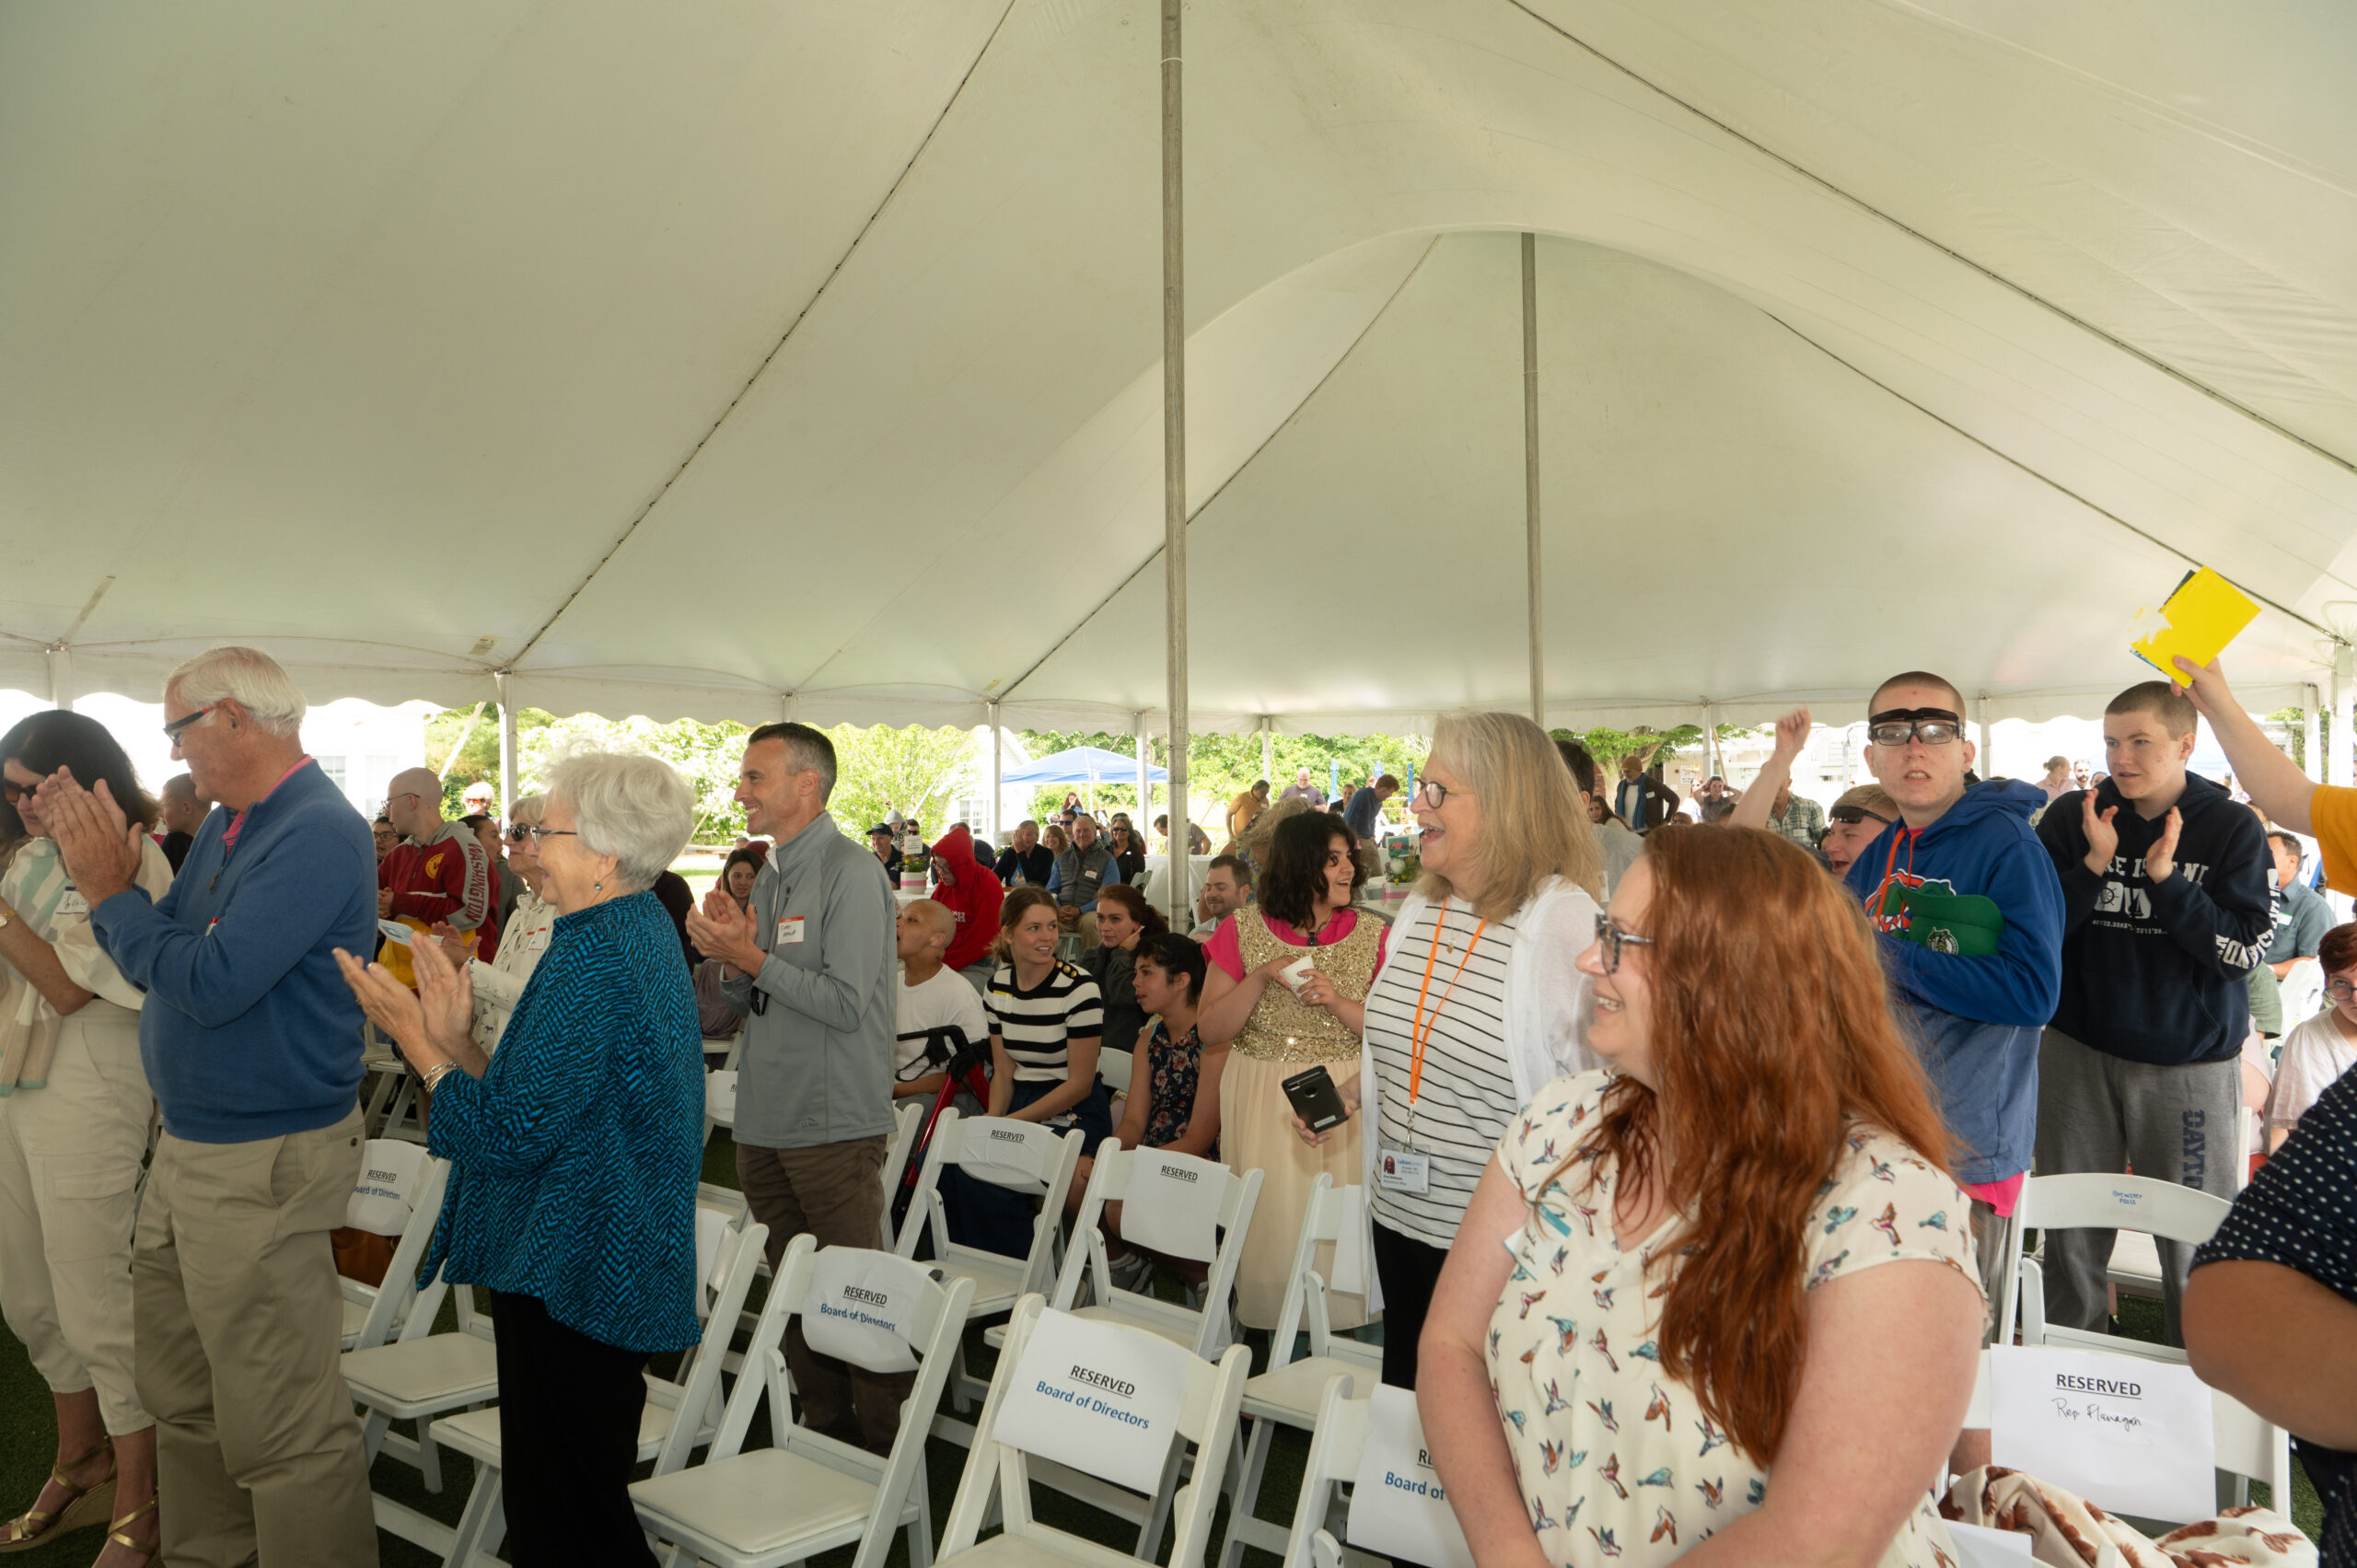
69, 1177
239, 1319
834, 1192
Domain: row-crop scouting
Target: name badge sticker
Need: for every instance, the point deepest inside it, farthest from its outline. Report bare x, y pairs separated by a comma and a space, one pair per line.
72, 902
1105, 1402
789, 931
1403, 1170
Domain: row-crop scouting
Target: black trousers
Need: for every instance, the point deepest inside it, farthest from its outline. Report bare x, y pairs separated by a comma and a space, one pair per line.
569, 1408
1408, 1269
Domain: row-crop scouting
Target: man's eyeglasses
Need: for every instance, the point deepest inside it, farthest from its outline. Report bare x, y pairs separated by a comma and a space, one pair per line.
1933, 727
1613, 939
172, 730
1434, 794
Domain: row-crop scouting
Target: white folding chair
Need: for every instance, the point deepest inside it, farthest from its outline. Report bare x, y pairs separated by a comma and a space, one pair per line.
1339, 1424
906, 1123
719, 1101
2302, 993
401, 1186
1290, 1393
998, 1473
1026, 1147
2250, 1447
1116, 1067
686, 1404
2100, 1201
808, 1493
394, 1109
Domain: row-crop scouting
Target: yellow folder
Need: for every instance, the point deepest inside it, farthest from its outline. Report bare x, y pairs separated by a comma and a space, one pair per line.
2200, 618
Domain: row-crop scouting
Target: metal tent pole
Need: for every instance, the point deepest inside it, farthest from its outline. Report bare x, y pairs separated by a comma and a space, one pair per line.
1268, 751
1987, 758
2312, 737
1530, 469
2338, 761
508, 781
1146, 804
61, 677
1174, 447
998, 771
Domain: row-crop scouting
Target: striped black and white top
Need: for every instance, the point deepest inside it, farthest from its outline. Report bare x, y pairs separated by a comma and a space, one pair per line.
1036, 1025
1467, 1094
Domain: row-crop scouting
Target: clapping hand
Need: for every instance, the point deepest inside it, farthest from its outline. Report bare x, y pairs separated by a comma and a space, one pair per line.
390, 1005
99, 846
723, 930
2103, 839
2160, 860
445, 990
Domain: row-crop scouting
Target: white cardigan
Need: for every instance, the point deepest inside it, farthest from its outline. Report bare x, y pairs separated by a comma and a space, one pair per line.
1547, 1004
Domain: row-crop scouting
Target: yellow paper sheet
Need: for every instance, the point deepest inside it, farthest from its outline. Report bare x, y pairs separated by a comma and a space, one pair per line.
2204, 614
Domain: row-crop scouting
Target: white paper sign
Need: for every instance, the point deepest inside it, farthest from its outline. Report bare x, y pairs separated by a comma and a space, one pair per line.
1172, 1205
1008, 1153
2133, 1435
1976, 1545
386, 1194
720, 1096
1350, 1244
1102, 1399
1398, 1508
862, 1306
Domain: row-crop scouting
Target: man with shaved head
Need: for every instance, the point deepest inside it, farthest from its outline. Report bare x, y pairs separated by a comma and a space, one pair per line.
184, 813
439, 875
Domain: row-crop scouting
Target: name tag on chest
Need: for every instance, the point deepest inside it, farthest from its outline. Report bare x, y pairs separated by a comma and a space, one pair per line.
790, 931
1403, 1171
72, 902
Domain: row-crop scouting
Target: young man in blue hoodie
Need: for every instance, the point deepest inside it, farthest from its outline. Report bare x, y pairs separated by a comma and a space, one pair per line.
2168, 911
1976, 1016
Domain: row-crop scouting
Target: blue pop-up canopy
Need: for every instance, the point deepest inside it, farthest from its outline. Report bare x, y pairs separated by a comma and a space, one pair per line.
1085, 765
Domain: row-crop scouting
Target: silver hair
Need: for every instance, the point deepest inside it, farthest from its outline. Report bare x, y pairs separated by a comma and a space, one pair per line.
529, 809
629, 805
247, 676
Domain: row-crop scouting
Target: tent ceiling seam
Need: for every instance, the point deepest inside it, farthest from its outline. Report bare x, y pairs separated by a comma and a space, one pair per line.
2153, 361
2047, 479
758, 371
1282, 426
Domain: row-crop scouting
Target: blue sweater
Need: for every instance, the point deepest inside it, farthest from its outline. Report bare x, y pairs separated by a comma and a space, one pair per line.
249, 1031
1977, 1019
574, 1159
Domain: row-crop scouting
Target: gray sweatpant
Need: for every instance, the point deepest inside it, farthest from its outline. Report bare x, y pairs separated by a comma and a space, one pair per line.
2098, 1113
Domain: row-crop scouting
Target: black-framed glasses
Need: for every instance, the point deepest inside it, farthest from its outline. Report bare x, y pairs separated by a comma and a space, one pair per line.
173, 731
1613, 939
1855, 814
1434, 794
13, 792
515, 833
1933, 727
540, 833
2341, 989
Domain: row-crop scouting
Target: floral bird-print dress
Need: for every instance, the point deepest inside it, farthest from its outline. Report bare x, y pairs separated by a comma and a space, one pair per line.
1615, 1458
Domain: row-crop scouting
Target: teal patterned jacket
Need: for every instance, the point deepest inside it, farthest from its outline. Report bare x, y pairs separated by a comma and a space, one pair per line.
574, 1159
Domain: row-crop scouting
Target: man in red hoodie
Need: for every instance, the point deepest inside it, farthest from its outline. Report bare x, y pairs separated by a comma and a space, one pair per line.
970, 892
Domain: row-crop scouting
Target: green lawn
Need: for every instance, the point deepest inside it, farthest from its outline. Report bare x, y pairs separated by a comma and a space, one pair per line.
27, 1438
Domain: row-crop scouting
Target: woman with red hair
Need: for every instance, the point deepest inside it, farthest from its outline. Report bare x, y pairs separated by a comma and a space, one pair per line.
1691, 1289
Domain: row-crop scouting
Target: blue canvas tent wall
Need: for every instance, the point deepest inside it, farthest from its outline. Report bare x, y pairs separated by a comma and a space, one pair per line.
824, 381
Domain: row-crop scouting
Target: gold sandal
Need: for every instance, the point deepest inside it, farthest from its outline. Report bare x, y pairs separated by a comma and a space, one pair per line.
114, 1531
84, 1506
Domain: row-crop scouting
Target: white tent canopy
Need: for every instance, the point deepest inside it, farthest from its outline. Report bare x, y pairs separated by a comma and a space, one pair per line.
746, 360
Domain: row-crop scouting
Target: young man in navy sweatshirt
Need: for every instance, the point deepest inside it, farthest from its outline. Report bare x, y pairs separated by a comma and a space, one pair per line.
2165, 888
1976, 1016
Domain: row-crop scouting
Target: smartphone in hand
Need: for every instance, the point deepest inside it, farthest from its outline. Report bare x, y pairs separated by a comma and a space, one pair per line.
1314, 1098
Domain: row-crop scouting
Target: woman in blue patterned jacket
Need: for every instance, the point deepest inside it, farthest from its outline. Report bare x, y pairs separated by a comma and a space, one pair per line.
573, 1153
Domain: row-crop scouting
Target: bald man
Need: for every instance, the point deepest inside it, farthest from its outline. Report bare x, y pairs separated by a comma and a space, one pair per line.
439, 872
184, 813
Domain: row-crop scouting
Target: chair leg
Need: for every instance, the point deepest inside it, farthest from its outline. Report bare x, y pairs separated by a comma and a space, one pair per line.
921, 1543
372, 1433
429, 1454
471, 1535
1247, 1495
1150, 1534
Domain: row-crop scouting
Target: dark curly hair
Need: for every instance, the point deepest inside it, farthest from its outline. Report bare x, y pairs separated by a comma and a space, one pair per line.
1294, 877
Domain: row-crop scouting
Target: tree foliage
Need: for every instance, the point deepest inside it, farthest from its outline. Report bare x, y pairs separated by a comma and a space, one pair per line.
921, 771
1221, 767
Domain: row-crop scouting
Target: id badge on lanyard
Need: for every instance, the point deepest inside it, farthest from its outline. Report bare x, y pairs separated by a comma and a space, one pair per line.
1409, 1170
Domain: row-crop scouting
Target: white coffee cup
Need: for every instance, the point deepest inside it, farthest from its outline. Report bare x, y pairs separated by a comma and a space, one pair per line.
1296, 974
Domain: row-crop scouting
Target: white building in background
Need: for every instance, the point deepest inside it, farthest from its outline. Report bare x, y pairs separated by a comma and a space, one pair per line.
357, 744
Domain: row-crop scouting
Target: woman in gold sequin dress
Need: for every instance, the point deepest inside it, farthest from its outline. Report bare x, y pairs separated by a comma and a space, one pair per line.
1304, 910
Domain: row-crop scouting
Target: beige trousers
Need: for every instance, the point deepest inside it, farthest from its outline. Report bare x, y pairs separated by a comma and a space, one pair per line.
69, 1174
240, 1321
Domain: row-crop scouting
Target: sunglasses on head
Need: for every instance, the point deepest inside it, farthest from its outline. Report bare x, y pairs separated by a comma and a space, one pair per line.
1858, 814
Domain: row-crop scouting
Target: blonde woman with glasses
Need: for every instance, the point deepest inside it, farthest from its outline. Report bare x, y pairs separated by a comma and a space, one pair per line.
1478, 1003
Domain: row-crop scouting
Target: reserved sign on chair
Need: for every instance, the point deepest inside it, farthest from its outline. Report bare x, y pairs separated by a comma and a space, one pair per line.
1172, 1206
1099, 1398
2135, 1436
1398, 1508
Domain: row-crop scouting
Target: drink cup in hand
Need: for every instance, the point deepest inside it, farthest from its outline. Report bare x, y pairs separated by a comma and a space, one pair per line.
1297, 973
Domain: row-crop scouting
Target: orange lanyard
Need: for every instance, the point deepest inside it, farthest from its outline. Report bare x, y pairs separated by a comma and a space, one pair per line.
1420, 1028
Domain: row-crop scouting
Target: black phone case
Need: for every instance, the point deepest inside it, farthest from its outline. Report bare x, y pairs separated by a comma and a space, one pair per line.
1314, 1098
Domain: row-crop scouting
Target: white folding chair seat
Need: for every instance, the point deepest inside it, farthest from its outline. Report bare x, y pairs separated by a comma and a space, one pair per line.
998, 1475
2101, 1201
1116, 1068
420, 1376
388, 1166
1291, 1393
692, 1397
999, 1281
808, 1493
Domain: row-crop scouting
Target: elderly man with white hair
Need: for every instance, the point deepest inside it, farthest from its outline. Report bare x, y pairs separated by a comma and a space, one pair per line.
440, 876
574, 1152
251, 1043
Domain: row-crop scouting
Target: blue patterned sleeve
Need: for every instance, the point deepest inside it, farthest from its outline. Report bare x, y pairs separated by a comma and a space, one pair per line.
552, 1063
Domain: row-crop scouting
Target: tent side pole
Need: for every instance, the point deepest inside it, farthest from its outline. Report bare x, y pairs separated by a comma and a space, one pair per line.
1268, 751
61, 677
2312, 736
998, 768
1145, 802
2339, 754
1531, 470
1987, 758
1174, 452
508, 789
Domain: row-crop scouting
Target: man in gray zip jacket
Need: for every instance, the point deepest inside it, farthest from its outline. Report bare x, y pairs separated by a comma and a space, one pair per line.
810, 967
